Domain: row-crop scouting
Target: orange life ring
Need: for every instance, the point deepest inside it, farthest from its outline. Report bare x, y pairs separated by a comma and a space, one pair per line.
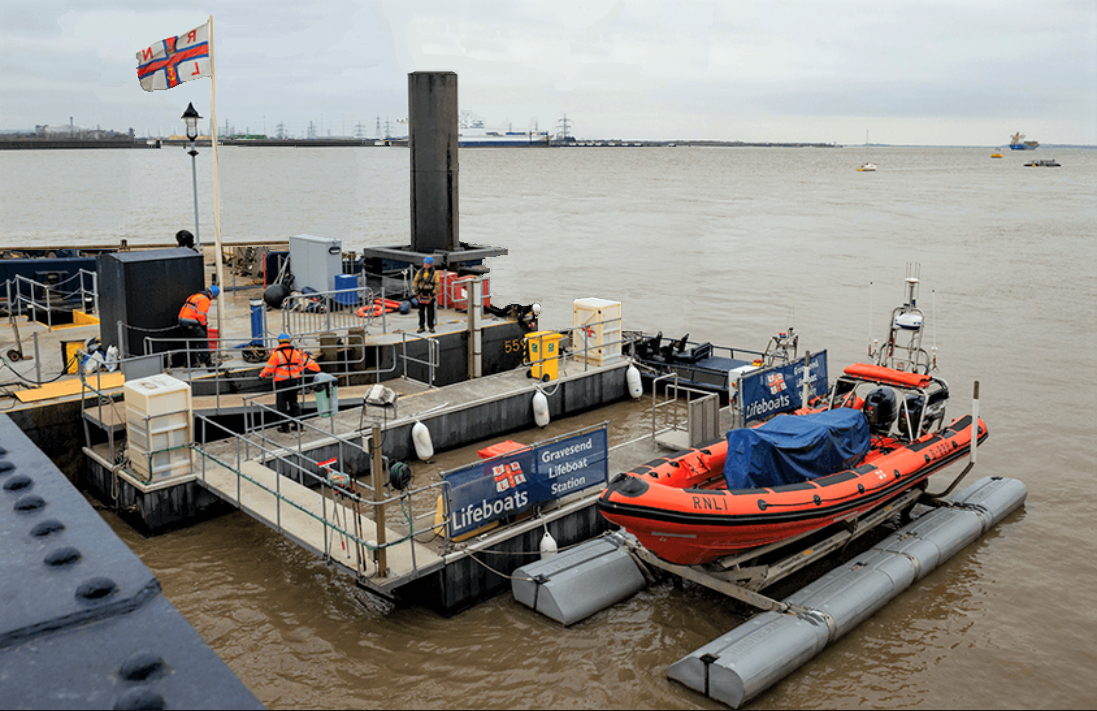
376, 308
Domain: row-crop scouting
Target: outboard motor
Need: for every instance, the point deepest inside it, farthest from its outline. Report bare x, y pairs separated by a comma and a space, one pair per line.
910, 416
881, 408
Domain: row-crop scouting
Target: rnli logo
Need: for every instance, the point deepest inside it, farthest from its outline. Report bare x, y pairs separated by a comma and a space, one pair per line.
776, 383
508, 476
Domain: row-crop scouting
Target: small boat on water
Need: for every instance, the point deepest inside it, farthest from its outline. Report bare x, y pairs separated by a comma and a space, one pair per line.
881, 432
997, 154
867, 168
1043, 164
704, 366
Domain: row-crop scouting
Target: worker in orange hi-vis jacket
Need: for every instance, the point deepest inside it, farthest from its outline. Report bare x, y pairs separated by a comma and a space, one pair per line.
288, 365
194, 320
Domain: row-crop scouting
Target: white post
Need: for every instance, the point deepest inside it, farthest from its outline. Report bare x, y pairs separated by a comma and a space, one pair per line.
805, 384
194, 180
474, 302
975, 422
216, 179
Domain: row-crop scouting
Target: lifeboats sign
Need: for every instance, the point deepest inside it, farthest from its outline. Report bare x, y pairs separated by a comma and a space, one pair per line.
513, 483
765, 393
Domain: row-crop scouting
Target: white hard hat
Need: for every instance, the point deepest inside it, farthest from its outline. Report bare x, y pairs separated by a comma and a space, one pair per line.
536, 309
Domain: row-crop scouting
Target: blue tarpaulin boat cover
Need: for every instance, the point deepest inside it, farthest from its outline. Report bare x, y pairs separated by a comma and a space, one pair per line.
793, 448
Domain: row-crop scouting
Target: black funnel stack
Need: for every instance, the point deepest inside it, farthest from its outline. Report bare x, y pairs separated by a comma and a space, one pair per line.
432, 142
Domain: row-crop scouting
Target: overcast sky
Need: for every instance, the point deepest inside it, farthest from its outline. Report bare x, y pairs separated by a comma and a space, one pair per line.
946, 73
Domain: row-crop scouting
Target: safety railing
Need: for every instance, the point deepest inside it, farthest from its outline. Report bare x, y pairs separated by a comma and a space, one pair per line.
259, 416
593, 351
26, 295
257, 350
107, 408
456, 291
345, 501
682, 417
607, 350
387, 358
432, 362
327, 310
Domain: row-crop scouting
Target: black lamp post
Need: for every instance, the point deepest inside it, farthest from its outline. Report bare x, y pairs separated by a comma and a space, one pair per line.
191, 117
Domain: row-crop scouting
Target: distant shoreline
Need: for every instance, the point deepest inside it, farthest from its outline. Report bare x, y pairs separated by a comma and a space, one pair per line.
156, 143
38, 144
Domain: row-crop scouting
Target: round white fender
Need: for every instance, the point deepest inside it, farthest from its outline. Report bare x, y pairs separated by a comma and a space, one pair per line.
632, 378
548, 545
420, 435
540, 409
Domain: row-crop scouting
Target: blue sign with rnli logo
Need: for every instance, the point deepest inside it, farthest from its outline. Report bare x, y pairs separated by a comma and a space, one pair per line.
765, 393
512, 483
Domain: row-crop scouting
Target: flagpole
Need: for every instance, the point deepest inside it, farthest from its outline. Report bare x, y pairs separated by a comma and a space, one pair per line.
219, 267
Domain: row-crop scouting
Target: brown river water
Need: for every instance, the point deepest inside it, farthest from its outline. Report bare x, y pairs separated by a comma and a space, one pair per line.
730, 245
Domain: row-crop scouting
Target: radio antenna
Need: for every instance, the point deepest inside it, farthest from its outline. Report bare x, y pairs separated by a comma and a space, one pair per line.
870, 319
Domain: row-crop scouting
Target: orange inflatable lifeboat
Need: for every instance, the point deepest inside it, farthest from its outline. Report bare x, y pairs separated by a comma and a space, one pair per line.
683, 510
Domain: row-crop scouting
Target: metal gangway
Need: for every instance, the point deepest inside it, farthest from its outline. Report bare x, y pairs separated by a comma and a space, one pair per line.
342, 509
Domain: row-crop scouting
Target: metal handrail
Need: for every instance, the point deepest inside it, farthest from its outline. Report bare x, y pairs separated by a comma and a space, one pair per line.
331, 527
224, 346
31, 300
297, 310
452, 286
433, 355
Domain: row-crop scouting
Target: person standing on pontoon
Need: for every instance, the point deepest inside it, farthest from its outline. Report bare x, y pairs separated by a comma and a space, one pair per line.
288, 365
425, 285
194, 320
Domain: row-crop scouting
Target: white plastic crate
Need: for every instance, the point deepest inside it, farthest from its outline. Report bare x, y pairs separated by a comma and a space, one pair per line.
167, 463
159, 440
157, 394
597, 327
159, 419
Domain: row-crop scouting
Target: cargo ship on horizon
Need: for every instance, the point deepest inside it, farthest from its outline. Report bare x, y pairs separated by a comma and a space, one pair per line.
1017, 142
472, 133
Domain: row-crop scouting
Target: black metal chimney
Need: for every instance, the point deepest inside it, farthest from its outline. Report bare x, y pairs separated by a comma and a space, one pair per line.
432, 139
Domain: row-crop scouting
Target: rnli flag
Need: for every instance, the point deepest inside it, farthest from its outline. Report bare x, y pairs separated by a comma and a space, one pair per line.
172, 61
508, 476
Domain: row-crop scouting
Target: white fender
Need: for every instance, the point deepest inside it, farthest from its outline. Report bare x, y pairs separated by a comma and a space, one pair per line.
420, 435
540, 409
548, 545
632, 378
